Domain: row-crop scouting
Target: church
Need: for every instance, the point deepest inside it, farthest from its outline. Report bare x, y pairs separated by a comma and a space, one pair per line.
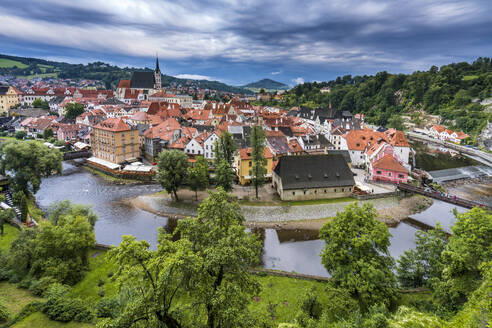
141, 85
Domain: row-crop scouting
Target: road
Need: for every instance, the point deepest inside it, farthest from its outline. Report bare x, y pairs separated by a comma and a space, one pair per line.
476, 154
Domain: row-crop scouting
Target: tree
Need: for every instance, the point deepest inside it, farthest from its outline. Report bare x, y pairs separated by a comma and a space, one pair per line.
72, 110
224, 175
5, 217
66, 208
29, 162
47, 134
258, 170
172, 167
224, 148
227, 252
24, 209
420, 266
396, 122
198, 176
38, 103
356, 255
153, 280
20, 135
468, 247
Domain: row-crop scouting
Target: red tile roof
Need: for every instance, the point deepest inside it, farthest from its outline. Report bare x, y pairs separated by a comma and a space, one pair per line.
398, 139
358, 139
389, 163
124, 84
113, 124
245, 153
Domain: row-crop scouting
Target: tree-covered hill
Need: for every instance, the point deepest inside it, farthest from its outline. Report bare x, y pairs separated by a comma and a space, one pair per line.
109, 74
267, 84
451, 91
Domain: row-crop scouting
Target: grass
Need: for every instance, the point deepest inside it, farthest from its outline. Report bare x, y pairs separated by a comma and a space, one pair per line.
7, 63
284, 295
88, 288
9, 236
15, 298
470, 77
34, 211
39, 320
32, 76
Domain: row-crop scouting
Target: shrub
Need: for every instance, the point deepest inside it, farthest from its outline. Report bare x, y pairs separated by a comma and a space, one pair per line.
107, 308
39, 287
20, 135
101, 292
25, 283
64, 309
100, 282
4, 313
27, 311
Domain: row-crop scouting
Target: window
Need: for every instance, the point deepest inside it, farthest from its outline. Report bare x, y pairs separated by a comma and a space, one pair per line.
335, 190
250, 163
293, 193
389, 173
378, 172
342, 189
401, 176
325, 191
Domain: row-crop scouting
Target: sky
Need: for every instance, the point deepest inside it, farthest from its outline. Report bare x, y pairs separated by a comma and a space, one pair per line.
241, 41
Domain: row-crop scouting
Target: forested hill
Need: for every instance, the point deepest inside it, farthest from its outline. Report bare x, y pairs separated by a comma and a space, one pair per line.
267, 84
109, 74
447, 91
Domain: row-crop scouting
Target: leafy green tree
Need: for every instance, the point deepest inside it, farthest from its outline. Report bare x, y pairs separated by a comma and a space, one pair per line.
198, 176
47, 133
227, 251
38, 103
258, 170
469, 246
396, 122
224, 175
154, 280
224, 148
66, 208
5, 217
29, 162
24, 209
20, 135
356, 255
172, 168
420, 266
72, 110
21, 254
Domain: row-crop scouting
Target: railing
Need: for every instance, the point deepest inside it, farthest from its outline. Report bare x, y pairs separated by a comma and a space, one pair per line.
441, 196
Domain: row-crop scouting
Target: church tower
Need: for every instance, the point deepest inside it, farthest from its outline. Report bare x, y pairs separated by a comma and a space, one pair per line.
157, 75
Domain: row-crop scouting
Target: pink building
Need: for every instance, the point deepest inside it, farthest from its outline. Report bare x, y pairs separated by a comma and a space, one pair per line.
68, 132
388, 168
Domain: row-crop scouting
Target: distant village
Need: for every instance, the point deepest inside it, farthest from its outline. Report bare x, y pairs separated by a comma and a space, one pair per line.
311, 153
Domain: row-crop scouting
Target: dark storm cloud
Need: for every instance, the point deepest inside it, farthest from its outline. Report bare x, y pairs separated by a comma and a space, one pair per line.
299, 38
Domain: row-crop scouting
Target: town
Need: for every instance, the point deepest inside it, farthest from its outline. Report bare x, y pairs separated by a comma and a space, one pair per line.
225, 164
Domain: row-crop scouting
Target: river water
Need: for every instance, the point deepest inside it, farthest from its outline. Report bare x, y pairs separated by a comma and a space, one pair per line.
283, 250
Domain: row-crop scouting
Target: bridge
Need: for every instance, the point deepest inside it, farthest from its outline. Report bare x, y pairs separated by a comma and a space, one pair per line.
443, 197
76, 154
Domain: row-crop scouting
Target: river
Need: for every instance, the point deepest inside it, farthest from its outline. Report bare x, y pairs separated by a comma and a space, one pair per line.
283, 250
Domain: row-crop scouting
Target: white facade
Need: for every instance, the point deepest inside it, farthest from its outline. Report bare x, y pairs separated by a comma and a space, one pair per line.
193, 148
208, 146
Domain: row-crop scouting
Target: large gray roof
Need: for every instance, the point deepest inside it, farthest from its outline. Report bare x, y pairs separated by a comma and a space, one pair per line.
142, 80
314, 171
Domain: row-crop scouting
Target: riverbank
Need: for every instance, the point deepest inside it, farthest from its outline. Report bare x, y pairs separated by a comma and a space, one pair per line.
308, 217
111, 178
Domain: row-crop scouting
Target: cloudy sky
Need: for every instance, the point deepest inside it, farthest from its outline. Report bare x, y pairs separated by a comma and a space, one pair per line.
240, 41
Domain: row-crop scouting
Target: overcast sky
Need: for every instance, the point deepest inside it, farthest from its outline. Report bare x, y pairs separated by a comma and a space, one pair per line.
240, 41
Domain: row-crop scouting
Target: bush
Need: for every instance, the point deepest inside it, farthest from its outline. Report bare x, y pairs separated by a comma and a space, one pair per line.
4, 313
25, 283
27, 311
107, 308
100, 282
101, 292
20, 135
64, 309
39, 287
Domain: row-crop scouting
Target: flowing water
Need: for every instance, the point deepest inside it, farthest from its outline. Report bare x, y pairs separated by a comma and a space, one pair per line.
283, 249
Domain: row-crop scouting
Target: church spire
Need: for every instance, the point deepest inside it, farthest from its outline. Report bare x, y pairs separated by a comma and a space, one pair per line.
157, 64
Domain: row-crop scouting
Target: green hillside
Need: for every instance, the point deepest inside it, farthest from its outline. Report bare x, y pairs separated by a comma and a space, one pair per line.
7, 63
267, 84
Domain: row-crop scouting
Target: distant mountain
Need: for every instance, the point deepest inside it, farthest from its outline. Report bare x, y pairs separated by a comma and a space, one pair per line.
108, 74
267, 84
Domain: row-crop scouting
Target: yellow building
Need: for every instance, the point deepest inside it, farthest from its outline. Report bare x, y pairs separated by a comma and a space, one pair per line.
9, 97
244, 164
113, 140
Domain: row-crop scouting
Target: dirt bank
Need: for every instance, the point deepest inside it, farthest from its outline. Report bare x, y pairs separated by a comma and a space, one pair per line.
406, 207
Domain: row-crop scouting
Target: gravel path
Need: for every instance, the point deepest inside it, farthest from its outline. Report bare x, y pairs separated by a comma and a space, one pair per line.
305, 212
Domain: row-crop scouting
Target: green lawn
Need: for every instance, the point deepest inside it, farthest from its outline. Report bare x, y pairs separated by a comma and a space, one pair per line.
39, 75
88, 288
10, 235
6, 63
15, 298
299, 202
39, 320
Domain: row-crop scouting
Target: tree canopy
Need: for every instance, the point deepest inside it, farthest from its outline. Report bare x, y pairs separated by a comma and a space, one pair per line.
224, 148
258, 170
73, 109
356, 255
29, 162
198, 176
172, 168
